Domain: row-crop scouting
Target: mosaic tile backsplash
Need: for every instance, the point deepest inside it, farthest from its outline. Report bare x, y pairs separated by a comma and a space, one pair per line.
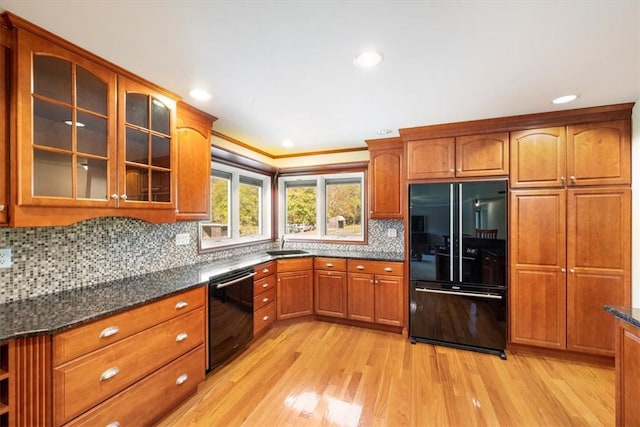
52, 259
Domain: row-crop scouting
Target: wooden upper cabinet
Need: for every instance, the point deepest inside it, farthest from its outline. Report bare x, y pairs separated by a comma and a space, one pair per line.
386, 178
599, 153
431, 158
585, 154
538, 158
482, 155
193, 163
147, 149
461, 157
65, 127
4, 136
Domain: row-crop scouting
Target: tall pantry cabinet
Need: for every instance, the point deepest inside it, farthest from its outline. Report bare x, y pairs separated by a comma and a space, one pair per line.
570, 216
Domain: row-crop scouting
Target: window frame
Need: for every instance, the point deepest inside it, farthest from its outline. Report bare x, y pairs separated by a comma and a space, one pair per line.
236, 174
321, 180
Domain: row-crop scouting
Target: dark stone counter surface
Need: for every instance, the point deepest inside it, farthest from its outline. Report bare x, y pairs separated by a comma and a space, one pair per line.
52, 313
629, 315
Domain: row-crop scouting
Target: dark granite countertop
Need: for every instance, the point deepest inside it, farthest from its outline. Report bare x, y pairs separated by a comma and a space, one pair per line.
628, 314
52, 313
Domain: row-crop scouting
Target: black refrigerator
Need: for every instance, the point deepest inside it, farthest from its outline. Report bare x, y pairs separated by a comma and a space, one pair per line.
458, 275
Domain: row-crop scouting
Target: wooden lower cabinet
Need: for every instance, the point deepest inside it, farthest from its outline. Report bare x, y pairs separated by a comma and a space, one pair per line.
121, 372
374, 297
294, 296
627, 374
150, 399
264, 296
330, 287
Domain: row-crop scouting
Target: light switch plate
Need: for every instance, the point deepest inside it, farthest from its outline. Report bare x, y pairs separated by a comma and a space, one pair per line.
5, 258
182, 239
392, 232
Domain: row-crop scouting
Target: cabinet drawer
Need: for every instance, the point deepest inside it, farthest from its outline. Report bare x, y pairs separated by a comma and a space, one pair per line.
263, 270
263, 285
263, 299
149, 399
264, 317
375, 267
338, 264
75, 342
296, 264
81, 383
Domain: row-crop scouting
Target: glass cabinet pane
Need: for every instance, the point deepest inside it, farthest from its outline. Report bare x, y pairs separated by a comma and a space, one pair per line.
137, 183
52, 77
138, 109
52, 174
91, 92
92, 137
160, 151
160, 186
92, 178
51, 125
136, 144
160, 117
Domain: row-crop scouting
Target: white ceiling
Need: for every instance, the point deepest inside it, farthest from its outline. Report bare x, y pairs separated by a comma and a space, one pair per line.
284, 69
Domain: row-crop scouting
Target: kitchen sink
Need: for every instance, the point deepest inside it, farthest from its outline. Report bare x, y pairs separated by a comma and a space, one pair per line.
281, 252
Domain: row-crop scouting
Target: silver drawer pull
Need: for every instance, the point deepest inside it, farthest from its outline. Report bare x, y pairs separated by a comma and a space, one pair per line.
265, 285
109, 373
329, 264
388, 269
182, 379
181, 304
107, 332
266, 299
266, 270
181, 337
265, 318
113, 424
360, 267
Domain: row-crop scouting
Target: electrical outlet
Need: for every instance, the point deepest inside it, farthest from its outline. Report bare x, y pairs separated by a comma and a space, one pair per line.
182, 239
5, 258
392, 232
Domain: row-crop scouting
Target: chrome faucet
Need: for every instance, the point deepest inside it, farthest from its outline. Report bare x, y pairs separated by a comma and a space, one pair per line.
282, 241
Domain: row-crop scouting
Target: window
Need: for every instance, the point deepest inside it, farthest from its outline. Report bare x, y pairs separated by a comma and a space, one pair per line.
329, 207
240, 208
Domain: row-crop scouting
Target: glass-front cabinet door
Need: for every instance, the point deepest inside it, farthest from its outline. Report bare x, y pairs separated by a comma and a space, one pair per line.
147, 144
66, 127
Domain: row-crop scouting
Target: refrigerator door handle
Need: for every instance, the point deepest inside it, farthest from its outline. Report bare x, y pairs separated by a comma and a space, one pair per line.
460, 232
464, 294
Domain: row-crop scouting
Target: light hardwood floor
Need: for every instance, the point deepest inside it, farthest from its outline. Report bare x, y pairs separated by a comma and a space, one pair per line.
320, 374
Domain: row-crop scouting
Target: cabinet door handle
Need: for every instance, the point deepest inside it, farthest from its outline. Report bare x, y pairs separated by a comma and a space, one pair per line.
265, 318
113, 424
265, 299
571, 270
371, 281
109, 373
360, 267
182, 379
107, 332
573, 179
181, 304
181, 337
123, 197
451, 170
329, 264
265, 285
1, 208
266, 270
562, 179
564, 270
388, 269
114, 196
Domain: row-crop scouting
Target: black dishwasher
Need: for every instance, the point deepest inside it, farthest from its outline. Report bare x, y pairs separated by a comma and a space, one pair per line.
230, 315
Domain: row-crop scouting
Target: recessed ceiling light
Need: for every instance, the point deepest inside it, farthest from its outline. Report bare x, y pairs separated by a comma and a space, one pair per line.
368, 59
200, 94
287, 143
564, 99
384, 132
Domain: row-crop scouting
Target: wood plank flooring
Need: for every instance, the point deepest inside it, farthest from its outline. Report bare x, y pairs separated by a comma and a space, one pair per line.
323, 374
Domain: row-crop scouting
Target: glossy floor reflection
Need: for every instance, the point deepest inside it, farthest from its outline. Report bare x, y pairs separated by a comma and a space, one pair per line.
323, 374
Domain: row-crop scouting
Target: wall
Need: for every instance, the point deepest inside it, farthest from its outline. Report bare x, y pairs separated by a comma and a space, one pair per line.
52, 259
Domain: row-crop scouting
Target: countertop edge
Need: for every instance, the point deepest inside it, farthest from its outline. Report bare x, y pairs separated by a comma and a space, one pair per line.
627, 314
